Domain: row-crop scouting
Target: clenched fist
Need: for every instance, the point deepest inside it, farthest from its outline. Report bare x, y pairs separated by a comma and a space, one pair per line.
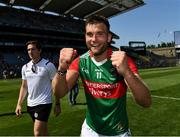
120, 61
66, 57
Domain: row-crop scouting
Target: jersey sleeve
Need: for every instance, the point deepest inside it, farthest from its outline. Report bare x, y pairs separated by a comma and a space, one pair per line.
52, 70
132, 65
74, 65
23, 74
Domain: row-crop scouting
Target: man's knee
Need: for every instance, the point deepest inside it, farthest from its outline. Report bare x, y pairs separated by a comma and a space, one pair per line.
40, 128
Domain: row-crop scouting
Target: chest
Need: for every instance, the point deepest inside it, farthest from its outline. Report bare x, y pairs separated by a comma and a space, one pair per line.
98, 73
38, 72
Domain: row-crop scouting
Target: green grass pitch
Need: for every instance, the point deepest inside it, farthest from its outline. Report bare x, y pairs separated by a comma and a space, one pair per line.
162, 119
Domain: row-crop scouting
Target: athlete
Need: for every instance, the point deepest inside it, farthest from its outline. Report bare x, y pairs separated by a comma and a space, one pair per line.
73, 93
105, 74
36, 81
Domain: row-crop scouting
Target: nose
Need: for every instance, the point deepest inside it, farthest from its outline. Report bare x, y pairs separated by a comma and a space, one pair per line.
94, 37
29, 50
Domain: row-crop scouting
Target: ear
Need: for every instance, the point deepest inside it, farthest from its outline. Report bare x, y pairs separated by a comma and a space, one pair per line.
109, 37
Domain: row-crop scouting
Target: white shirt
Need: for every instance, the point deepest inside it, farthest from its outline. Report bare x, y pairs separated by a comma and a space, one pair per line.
39, 83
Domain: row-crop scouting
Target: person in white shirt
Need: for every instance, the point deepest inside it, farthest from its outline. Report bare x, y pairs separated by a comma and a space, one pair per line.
37, 75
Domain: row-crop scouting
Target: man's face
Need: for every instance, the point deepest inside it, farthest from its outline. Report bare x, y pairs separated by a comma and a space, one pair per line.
33, 52
97, 38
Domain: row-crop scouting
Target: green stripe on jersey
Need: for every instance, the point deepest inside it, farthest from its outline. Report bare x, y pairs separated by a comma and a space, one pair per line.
107, 116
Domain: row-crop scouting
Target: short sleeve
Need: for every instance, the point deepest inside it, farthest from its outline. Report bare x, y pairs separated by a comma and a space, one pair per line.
23, 74
52, 70
132, 65
74, 65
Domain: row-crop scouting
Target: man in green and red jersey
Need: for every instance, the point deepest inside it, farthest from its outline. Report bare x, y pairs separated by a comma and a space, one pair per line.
105, 74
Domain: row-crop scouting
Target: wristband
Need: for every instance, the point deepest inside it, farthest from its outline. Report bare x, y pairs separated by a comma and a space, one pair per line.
61, 73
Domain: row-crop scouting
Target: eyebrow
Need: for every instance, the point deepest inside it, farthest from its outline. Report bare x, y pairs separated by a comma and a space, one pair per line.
31, 48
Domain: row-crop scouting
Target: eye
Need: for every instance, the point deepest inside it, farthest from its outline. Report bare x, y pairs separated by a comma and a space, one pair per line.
100, 34
89, 34
97, 34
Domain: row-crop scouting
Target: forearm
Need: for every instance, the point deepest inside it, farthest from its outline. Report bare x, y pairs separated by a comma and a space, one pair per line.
22, 96
139, 89
63, 81
57, 101
59, 86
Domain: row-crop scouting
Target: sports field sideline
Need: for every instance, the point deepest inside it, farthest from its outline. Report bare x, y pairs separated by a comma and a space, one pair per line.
162, 119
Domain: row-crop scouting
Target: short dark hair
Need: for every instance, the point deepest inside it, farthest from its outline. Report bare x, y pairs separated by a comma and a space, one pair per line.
34, 42
98, 19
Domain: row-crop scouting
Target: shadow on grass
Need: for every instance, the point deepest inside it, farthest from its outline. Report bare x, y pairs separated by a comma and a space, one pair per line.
10, 114
81, 104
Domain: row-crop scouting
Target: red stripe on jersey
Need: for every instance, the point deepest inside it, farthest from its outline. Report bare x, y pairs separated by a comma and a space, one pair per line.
131, 63
74, 65
104, 90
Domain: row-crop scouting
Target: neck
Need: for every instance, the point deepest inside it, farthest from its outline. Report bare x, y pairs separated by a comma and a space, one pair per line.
35, 61
101, 57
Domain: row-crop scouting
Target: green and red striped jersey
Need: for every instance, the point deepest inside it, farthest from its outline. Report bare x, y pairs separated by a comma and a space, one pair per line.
105, 92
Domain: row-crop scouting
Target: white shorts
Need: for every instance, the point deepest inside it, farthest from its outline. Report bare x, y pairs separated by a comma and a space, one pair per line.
86, 131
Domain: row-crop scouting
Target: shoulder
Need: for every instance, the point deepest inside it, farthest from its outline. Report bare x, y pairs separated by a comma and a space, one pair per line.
46, 62
27, 65
80, 58
85, 55
49, 65
132, 65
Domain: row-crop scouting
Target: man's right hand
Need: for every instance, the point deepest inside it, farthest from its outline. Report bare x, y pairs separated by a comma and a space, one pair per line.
18, 111
66, 57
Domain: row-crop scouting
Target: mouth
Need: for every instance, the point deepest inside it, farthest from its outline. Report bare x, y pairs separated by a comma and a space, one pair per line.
95, 46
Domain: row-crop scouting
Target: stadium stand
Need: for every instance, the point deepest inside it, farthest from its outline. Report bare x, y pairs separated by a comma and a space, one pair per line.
18, 25
36, 20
